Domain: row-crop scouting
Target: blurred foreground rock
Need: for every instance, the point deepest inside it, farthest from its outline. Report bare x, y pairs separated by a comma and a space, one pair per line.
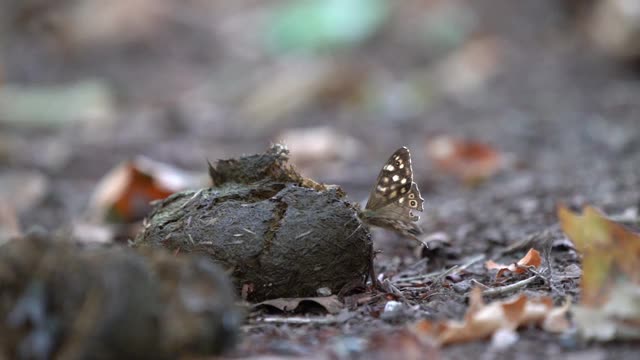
279, 234
615, 27
58, 300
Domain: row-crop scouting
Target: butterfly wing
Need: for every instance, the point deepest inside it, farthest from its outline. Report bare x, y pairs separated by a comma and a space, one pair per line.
394, 180
397, 216
394, 196
405, 228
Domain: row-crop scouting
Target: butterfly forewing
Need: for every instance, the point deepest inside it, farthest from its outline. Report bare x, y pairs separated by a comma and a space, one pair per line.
394, 196
394, 181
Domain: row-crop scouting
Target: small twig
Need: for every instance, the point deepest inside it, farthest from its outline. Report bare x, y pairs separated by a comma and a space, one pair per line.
190, 199
388, 287
413, 288
446, 273
419, 277
523, 244
478, 283
304, 234
438, 274
369, 299
472, 261
298, 320
417, 263
509, 288
533, 270
354, 231
430, 295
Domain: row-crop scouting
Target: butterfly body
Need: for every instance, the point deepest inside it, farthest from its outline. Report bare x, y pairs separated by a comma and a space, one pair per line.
394, 196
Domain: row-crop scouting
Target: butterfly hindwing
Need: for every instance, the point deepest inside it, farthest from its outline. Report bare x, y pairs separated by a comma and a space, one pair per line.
394, 196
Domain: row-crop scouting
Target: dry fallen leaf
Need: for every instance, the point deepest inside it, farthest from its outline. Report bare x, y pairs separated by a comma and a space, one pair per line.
614, 26
296, 85
398, 344
95, 22
610, 285
617, 319
319, 144
9, 224
470, 67
610, 252
330, 303
23, 190
484, 320
470, 161
124, 194
531, 259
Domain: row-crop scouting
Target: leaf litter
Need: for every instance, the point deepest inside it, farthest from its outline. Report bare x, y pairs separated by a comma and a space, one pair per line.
609, 307
484, 320
559, 162
531, 260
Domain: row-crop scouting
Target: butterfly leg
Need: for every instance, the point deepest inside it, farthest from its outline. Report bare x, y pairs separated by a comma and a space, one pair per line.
375, 283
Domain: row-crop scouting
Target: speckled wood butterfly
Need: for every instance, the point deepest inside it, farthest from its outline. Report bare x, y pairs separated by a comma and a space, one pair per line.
394, 196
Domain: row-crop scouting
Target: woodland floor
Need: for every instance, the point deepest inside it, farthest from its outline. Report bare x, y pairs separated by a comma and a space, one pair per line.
566, 115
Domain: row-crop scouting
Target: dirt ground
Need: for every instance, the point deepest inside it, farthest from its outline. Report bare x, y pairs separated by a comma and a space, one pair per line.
562, 113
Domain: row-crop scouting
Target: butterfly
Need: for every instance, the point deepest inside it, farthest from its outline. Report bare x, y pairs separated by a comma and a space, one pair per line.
394, 196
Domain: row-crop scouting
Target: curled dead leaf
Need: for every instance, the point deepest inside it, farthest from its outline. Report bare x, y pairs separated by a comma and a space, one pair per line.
296, 85
611, 253
483, 320
610, 284
319, 144
531, 259
468, 160
330, 303
469, 68
124, 193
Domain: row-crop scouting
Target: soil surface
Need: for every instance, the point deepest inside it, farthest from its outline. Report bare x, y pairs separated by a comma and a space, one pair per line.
563, 114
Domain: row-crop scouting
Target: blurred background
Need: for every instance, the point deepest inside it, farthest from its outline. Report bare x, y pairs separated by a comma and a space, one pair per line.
528, 100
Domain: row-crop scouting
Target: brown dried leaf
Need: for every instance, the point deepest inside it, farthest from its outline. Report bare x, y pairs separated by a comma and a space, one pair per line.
611, 253
610, 284
483, 320
468, 160
9, 224
470, 67
330, 303
531, 259
319, 144
296, 85
124, 194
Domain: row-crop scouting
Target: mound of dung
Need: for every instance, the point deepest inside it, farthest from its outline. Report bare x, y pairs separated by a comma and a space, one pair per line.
279, 234
61, 301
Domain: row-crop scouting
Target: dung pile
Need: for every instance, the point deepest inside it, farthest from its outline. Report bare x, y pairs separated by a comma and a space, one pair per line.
278, 234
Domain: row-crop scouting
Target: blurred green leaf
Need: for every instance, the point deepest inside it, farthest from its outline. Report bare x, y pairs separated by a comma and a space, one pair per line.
57, 105
312, 25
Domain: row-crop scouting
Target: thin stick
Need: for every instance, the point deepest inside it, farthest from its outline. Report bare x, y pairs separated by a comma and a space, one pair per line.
418, 263
304, 234
354, 231
446, 272
472, 261
509, 288
451, 270
191, 199
476, 282
298, 320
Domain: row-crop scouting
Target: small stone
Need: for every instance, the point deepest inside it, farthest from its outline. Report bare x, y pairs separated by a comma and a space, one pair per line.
324, 291
462, 287
393, 310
